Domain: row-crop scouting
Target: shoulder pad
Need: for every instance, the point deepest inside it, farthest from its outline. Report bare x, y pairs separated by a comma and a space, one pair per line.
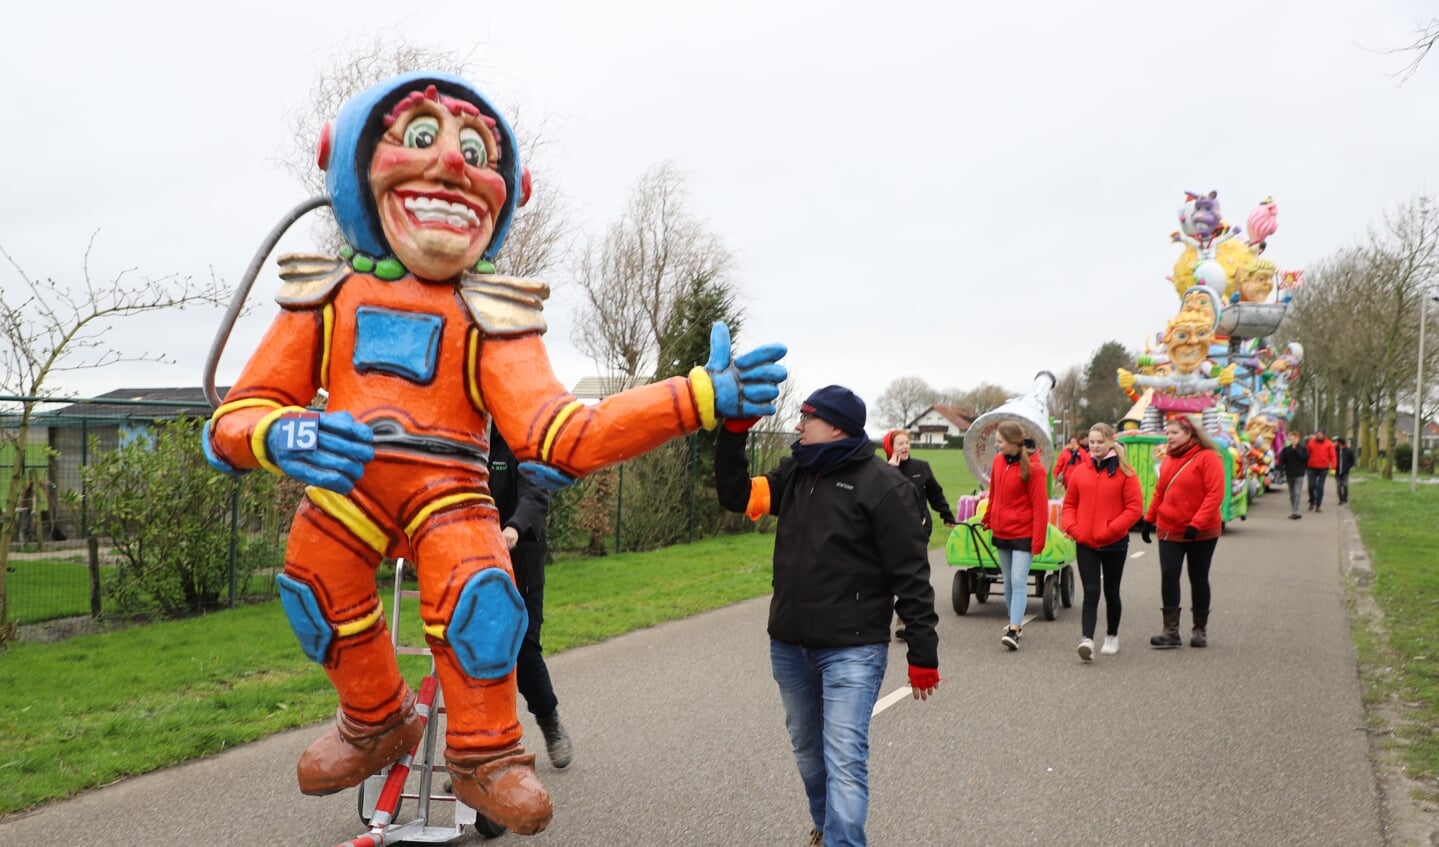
505, 305
309, 278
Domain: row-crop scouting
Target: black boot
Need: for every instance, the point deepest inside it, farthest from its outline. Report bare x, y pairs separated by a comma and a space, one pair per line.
557, 741
1170, 637
1198, 637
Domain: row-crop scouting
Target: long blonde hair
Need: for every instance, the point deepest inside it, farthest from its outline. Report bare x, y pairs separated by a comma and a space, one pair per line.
1195, 425
1014, 434
1107, 431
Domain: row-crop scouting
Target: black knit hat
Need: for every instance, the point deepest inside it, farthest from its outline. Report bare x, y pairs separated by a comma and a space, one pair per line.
838, 406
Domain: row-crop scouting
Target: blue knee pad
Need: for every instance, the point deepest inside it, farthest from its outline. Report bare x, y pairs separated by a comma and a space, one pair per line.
488, 625
306, 619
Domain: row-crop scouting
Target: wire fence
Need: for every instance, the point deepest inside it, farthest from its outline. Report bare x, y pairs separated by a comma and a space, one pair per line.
64, 565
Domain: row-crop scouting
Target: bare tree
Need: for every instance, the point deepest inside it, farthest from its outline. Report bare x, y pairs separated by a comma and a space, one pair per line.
540, 231
904, 400
1425, 36
47, 329
636, 279
986, 396
1068, 403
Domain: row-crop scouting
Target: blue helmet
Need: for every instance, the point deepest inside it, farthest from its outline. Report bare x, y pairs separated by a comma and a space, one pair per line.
357, 130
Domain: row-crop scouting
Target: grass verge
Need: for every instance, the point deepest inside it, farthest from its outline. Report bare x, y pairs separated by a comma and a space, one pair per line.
1399, 658
89, 711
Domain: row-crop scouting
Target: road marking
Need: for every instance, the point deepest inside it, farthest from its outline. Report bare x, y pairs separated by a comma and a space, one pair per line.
890, 699
1137, 554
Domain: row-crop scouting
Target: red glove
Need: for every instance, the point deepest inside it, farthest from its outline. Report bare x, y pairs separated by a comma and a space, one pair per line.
923, 679
740, 426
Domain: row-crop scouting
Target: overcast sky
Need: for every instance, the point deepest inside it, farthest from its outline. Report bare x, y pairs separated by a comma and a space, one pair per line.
964, 192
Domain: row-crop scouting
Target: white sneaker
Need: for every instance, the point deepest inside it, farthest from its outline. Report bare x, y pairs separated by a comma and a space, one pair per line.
1086, 649
1111, 645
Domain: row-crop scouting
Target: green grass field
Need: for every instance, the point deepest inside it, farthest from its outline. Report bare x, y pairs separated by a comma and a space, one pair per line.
952, 474
39, 590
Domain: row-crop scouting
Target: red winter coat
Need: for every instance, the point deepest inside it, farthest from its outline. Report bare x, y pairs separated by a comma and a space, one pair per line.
1188, 493
1017, 510
1100, 507
1321, 454
1064, 461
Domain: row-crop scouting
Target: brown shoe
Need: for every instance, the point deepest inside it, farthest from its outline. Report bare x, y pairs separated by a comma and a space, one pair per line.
501, 785
351, 751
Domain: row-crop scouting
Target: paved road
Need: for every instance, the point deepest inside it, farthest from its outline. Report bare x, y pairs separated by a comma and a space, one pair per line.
1258, 740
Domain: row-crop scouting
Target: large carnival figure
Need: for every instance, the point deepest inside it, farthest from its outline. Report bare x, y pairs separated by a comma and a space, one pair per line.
417, 345
1183, 378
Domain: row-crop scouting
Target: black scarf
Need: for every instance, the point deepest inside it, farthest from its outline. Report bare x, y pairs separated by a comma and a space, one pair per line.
1073, 455
820, 459
1109, 463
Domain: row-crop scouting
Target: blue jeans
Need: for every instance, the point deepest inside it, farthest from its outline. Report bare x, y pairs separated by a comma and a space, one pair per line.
1014, 564
828, 695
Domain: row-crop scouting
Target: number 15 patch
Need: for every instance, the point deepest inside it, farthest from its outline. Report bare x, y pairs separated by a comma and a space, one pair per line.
300, 430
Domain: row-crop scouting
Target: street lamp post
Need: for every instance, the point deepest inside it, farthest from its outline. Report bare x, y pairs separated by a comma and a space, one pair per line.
1418, 399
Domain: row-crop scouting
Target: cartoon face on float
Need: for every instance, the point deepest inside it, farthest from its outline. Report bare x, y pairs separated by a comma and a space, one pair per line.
436, 185
1255, 281
1188, 340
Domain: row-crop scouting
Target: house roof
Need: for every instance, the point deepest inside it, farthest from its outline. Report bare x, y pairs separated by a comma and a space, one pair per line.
959, 416
140, 403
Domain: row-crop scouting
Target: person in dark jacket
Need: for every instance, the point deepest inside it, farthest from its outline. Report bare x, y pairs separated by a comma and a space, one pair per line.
1343, 464
523, 508
851, 549
1184, 513
918, 472
1294, 459
1101, 504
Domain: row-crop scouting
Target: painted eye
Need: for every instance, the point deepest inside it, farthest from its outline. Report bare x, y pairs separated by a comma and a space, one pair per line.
422, 132
472, 147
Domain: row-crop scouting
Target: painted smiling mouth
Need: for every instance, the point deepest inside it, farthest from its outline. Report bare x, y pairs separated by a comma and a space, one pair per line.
434, 210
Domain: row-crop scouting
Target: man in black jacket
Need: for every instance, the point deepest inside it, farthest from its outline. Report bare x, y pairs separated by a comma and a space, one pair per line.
851, 549
1294, 459
1344, 463
523, 508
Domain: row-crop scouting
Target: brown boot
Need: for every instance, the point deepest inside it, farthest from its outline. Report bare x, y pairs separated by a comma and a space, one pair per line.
1198, 637
1170, 636
502, 786
351, 750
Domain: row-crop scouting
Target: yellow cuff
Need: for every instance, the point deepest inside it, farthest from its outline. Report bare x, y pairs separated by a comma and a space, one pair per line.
262, 430
703, 387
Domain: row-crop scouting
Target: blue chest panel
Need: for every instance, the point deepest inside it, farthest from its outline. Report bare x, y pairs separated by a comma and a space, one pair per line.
406, 344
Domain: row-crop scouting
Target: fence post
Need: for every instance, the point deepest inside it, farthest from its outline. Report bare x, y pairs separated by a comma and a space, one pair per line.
84, 484
619, 507
234, 533
93, 544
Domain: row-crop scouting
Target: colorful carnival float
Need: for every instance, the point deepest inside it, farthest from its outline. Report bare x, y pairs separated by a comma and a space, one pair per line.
1214, 358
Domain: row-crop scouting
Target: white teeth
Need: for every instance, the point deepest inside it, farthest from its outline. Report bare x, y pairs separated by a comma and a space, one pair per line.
435, 210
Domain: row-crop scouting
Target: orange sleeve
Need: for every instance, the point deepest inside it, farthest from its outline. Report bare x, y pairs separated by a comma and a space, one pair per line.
544, 422
759, 499
284, 371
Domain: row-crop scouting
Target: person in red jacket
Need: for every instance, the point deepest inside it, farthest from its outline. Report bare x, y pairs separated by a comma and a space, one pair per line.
1101, 503
1322, 460
1184, 513
1017, 517
1073, 454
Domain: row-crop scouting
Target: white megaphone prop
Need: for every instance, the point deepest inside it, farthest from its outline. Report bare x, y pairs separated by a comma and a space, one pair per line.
1030, 411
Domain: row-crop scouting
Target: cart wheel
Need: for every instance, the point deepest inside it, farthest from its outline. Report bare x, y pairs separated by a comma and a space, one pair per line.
487, 828
981, 586
959, 592
360, 796
1050, 601
1066, 586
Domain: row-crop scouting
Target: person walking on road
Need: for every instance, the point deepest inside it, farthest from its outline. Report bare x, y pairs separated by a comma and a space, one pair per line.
1184, 513
1294, 459
1102, 503
851, 549
1321, 461
1017, 518
896, 445
524, 507
1071, 456
1343, 464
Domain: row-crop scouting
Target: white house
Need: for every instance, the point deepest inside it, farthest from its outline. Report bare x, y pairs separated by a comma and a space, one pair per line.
937, 423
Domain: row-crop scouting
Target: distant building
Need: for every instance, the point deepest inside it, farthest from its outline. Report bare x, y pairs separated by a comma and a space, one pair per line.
592, 389
938, 423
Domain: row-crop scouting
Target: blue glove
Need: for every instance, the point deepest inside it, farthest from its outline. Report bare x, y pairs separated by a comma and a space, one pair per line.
342, 449
744, 385
546, 477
